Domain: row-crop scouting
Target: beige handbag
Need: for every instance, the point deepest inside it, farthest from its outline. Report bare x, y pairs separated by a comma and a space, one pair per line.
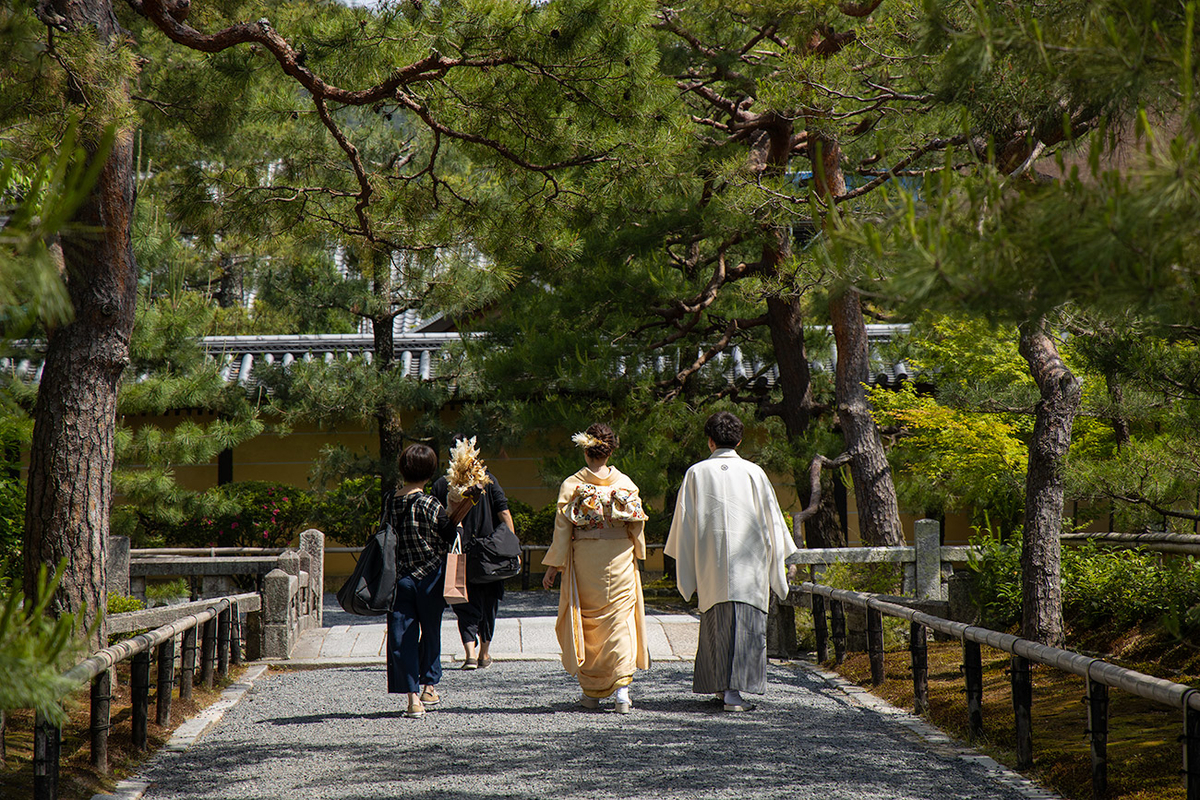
456, 572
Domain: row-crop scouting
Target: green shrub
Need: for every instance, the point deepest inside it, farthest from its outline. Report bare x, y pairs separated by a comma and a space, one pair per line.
533, 527
1128, 587
245, 514
120, 604
161, 594
997, 585
349, 512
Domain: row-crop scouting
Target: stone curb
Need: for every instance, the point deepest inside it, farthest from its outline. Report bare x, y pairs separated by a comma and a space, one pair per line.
187, 733
937, 740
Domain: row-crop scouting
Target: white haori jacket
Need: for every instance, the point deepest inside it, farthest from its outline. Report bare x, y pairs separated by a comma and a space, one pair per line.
728, 536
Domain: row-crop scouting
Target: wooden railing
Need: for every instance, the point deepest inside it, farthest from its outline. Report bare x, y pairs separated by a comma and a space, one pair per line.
1099, 675
1157, 542
210, 634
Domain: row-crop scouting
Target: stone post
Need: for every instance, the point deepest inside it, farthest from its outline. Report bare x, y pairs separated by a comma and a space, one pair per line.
312, 541
289, 562
962, 600
276, 614
928, 538
118, 565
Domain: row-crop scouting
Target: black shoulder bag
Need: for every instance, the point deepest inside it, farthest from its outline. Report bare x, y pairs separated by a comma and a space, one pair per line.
369, 590
494, 557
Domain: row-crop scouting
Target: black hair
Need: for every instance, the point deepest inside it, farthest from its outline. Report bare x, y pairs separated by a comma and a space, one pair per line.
418, 463
724, 428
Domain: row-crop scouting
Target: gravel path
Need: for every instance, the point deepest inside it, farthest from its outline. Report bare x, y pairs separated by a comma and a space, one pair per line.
514, 730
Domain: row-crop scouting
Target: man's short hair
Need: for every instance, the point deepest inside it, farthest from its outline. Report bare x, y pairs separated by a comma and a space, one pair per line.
724, 428
418, 463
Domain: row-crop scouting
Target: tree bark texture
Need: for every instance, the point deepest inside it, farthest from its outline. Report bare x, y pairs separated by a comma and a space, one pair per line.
391, 431
874, 491
1061, 393
69, 492
786, 321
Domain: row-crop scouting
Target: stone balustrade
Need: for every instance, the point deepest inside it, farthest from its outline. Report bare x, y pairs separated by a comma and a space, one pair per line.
290, 584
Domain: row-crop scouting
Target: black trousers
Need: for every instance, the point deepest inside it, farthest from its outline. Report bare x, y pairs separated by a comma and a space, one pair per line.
477, 616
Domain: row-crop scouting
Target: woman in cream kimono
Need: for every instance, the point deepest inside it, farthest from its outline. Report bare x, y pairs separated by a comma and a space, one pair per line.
597, 540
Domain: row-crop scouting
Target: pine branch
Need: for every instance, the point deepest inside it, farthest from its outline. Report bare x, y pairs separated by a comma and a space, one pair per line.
731, 329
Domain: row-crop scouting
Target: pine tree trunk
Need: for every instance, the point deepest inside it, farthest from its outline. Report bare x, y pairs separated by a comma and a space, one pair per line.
391, 432
69, 492
786, 321
1041, 587
874, 491
383, 330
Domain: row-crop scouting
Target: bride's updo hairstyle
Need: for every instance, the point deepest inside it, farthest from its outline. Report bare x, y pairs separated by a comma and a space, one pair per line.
606, 441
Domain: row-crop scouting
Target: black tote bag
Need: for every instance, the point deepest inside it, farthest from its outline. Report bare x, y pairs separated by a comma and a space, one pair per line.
369, 590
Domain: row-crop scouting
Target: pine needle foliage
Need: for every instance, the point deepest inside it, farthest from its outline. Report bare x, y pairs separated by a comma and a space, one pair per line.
35, 649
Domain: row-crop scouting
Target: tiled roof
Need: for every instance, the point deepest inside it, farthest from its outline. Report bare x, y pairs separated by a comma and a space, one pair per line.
418, 355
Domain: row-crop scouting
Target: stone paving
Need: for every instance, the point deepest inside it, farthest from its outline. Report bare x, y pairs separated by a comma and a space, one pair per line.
516, 731
524, 631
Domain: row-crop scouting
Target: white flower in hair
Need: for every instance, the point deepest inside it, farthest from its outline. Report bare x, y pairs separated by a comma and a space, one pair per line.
465, 470
585, 440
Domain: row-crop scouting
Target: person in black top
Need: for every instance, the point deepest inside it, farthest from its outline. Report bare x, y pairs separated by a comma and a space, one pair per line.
424, 531
477, 616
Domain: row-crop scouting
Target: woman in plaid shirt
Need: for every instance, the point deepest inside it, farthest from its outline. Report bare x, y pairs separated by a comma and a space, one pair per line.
424, 531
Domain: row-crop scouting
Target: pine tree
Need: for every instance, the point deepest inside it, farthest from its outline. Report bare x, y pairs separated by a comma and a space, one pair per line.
1102, 233
462, 67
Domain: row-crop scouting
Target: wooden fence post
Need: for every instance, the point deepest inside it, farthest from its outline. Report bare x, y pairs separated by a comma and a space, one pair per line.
187, 664
1022, 697
1191, 747
1097, 700
166, 681
47, 745
838, 616
820, 628
208, 651
223, 642
917, 645
101, 719
139, 686
875, 644
235, 635
973, 672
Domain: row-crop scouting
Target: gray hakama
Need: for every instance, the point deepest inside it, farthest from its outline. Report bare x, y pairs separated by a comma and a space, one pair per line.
732, 651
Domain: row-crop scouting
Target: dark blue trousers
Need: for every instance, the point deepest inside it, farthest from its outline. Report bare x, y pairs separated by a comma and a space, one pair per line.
414, 652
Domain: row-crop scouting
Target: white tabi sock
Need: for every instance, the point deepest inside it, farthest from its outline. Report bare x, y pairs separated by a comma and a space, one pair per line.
623, 695
733, 697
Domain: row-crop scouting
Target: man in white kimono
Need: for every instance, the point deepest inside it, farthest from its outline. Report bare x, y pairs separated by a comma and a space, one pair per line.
729, 540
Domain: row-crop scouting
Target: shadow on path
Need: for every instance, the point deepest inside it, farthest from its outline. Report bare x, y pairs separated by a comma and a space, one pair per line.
516, 731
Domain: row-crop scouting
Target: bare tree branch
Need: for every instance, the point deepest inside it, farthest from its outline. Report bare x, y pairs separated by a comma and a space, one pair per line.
814, 477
